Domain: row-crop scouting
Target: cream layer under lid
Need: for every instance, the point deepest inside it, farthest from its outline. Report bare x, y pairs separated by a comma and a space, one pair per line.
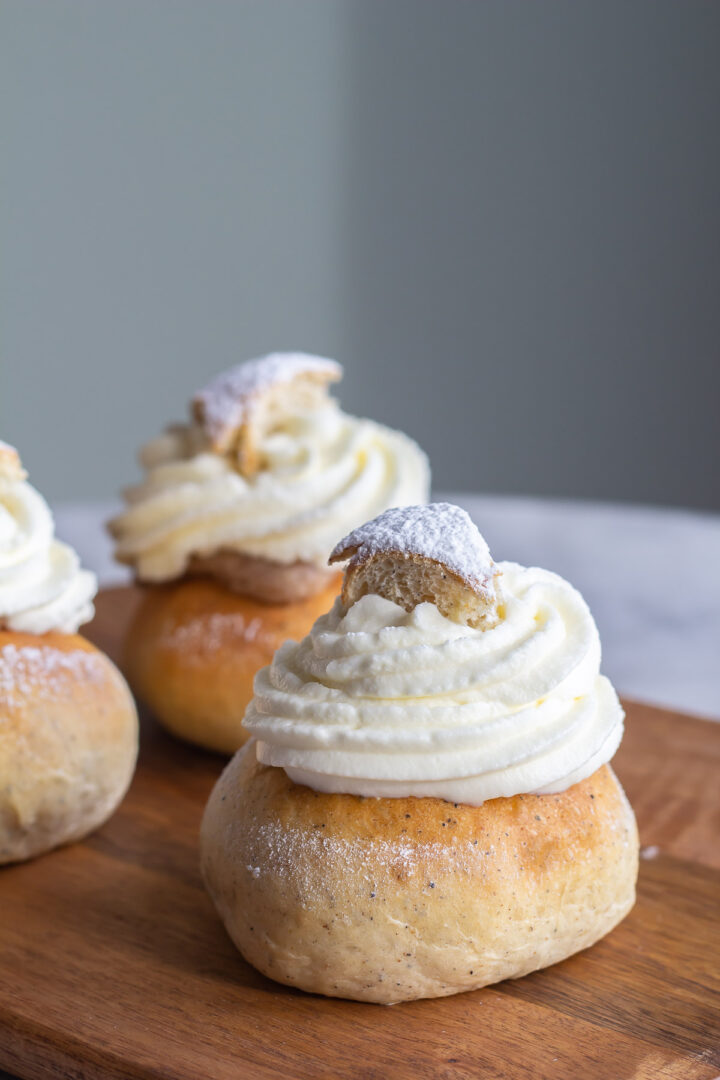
316, 472
42, 586
380, 701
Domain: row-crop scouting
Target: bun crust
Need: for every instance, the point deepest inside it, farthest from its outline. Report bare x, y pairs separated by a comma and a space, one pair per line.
194, 648
387, 900
68, 741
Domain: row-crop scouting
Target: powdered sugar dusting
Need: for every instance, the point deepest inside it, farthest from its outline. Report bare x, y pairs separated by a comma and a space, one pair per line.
32, 670
281, 849
224, 401
439, 531
204, 636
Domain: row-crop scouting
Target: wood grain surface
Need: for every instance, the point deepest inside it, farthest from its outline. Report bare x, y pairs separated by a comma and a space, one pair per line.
113, 963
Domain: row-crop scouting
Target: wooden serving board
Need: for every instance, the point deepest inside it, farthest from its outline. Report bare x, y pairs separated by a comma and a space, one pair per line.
113, 963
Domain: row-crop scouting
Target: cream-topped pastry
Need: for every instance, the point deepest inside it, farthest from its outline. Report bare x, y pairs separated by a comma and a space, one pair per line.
68, 724
237, 514
379, 701
426, 806
317, 472
42, 585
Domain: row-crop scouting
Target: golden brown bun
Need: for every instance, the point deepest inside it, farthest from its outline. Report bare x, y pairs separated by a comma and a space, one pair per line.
68, 741
193, 650
388, 900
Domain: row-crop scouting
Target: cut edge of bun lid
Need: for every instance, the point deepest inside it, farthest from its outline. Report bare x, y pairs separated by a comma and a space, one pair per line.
417, 554
10, 465
239, 406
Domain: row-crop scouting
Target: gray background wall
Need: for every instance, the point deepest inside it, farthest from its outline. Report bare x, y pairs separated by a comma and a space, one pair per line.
503, 217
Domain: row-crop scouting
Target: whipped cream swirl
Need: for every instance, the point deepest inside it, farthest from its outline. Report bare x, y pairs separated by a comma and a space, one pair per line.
42, 586
322, 473
377, 701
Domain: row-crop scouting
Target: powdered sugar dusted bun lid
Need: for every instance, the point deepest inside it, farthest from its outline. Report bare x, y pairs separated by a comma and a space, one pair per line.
236, 517
42, 585
426, 806
413, 554
239, 406
68, 725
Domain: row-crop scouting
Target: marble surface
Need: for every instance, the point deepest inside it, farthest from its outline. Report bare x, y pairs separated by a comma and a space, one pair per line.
651, 577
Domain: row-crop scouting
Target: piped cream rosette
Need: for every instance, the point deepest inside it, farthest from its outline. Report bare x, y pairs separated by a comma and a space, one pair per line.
317, 472
42, 586
381, 701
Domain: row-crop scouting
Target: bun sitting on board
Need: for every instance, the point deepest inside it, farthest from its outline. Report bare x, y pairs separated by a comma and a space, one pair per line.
68, 741
68, 725
426, 806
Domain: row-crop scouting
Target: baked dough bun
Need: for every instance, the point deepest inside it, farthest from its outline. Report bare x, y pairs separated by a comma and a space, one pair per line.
403, 556
194, 648
68, 741
388, 900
